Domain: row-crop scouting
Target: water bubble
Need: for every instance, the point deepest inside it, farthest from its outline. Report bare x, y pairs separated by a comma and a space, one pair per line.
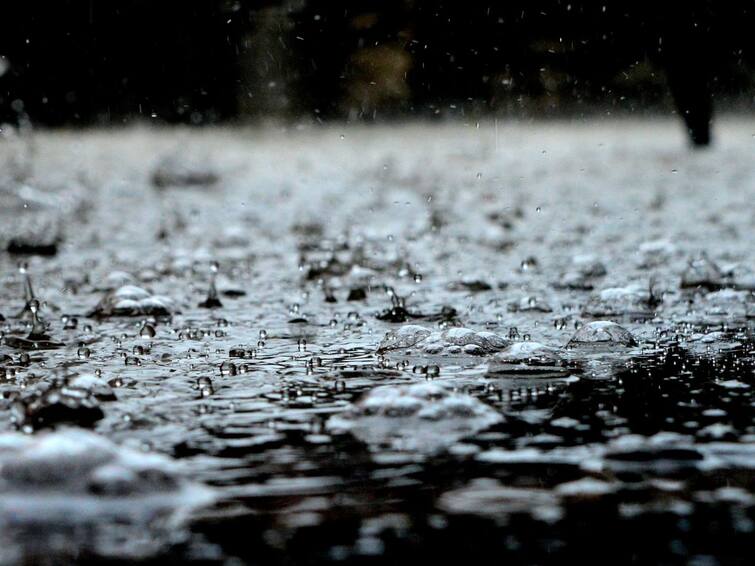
602, 332
130, 300
147, 331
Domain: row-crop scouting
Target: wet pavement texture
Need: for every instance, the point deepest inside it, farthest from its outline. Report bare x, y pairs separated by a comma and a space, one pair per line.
398, 343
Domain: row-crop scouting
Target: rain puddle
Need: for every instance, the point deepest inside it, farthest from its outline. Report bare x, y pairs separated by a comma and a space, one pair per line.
411, 342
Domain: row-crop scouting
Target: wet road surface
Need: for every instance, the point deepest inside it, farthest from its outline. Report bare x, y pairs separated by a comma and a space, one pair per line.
394, 343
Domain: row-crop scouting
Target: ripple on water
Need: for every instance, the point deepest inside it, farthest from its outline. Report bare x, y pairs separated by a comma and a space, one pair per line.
76, 484
130, 300
423, 417
529, 358
451, 341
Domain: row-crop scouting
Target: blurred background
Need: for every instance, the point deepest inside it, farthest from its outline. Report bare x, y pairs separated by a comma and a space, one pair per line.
82, 62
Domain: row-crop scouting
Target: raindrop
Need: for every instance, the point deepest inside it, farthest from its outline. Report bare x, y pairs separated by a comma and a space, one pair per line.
204, 385
228, 368
212, 301
528, 264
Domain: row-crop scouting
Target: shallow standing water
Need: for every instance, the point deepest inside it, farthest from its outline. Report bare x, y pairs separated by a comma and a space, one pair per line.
301, 412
